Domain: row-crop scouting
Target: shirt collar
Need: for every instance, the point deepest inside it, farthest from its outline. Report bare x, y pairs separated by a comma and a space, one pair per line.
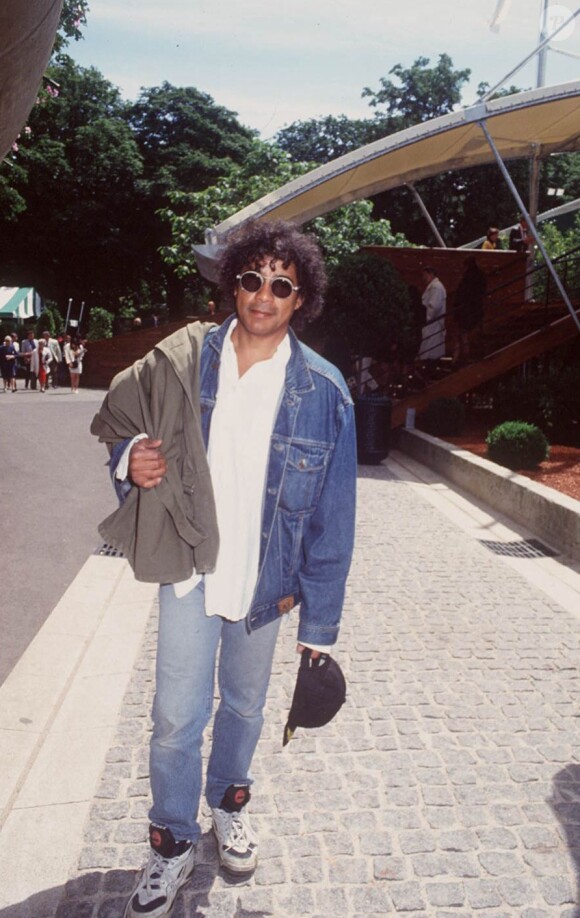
278, 360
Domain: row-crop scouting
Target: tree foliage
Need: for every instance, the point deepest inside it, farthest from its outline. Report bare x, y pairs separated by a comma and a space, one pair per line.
187, 141
82, 191
72, 18
319, 140
100, 324
421, 93
265, 169
76, 170
369, 306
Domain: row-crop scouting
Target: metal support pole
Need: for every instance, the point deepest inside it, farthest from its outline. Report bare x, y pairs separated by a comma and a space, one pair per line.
531, 224
67, 315
528, 57
427, 216
533, 199
541, 78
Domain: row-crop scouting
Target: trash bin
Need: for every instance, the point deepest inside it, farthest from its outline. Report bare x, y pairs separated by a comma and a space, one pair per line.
372, 414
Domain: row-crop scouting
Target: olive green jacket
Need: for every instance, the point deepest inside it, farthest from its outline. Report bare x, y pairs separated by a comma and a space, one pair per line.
168, 531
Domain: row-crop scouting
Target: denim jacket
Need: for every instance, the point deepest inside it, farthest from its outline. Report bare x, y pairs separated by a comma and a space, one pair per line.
308, 512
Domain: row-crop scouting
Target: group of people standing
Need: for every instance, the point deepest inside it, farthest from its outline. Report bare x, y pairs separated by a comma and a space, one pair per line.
44, 361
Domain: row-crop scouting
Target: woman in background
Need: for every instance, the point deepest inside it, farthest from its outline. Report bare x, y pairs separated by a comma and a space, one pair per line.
74, 353
8, 356
40, 363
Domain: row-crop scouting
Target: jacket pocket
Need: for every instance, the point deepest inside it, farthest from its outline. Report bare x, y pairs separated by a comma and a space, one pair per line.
290, 529
303, 476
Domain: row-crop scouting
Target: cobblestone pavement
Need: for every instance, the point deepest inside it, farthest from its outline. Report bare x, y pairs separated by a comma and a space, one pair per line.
449, 784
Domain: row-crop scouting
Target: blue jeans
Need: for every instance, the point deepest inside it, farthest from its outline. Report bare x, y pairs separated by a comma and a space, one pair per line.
188, 645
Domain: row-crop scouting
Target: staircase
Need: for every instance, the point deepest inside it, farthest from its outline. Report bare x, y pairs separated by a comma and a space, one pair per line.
495, 364
514, 330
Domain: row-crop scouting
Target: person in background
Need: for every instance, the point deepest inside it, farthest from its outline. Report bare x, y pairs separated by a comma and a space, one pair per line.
469, 305
491, 241
521, 240
76, 352
8, 357
29, 345
40, 363
434, 299
16, 345
66, 352
55, 358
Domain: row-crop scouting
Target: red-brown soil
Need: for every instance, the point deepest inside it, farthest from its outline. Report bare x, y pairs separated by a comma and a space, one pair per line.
560, 471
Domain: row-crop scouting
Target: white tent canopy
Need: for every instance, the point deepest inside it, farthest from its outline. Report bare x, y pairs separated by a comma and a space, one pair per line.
534, 123
27, 32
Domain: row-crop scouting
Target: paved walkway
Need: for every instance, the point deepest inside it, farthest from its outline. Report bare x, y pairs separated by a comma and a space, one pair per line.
449, 784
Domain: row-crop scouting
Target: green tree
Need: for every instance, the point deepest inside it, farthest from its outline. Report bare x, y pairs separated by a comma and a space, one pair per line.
319, 140
72, 18
50, 320
189, 214
266, 168
100, 324
187, 143
76, 170
421, 93
369, 306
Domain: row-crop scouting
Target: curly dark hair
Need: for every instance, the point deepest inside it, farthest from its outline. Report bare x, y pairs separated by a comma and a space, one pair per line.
250, 245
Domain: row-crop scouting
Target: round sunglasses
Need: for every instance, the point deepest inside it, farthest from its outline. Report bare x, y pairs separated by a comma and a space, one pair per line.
252, 281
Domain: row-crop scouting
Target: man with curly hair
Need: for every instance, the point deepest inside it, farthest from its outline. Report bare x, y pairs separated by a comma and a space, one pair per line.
277, 424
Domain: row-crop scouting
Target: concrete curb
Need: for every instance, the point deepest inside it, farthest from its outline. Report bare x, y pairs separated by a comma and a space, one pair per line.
552, 516
59, 709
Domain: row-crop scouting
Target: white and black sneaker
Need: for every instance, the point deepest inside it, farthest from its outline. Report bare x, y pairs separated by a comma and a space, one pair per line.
169, 867
237, 842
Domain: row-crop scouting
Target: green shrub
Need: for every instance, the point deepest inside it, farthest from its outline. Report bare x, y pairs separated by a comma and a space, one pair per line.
517, 445
100, 324
50, 320
550, 400
444, 417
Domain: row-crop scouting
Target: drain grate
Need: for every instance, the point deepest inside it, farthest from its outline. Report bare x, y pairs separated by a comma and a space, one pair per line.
522, 548
108, 551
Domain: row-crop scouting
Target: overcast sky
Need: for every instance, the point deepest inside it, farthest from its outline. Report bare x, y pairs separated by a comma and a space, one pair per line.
277, 63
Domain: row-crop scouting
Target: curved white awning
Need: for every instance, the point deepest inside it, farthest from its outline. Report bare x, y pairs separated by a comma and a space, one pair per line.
537, 122
27, 32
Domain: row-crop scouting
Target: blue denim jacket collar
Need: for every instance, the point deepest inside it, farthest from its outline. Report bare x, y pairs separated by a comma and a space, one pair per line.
298, 375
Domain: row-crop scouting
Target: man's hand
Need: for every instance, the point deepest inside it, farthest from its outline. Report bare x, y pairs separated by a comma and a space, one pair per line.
147, 464
314, 654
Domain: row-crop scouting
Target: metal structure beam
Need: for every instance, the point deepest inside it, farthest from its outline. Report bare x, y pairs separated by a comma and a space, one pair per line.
427, 215
531, 225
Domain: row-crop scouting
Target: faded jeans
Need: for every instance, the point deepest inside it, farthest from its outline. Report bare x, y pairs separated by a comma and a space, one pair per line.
188, 645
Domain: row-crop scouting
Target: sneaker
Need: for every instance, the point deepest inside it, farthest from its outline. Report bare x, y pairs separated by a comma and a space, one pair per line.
237, 842
169, 867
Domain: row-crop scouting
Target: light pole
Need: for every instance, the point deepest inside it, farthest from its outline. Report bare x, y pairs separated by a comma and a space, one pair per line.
543, 53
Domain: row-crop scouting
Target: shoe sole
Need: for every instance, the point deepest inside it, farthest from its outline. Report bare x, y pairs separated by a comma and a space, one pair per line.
233, 871
129, 913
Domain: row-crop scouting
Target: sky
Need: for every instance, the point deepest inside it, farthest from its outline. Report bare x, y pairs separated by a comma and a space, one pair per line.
278, 63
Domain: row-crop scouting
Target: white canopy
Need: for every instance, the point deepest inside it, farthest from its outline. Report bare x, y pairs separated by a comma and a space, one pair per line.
525, 124
27, 32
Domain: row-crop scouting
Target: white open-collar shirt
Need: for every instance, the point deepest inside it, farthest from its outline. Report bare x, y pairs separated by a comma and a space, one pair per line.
239, 444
